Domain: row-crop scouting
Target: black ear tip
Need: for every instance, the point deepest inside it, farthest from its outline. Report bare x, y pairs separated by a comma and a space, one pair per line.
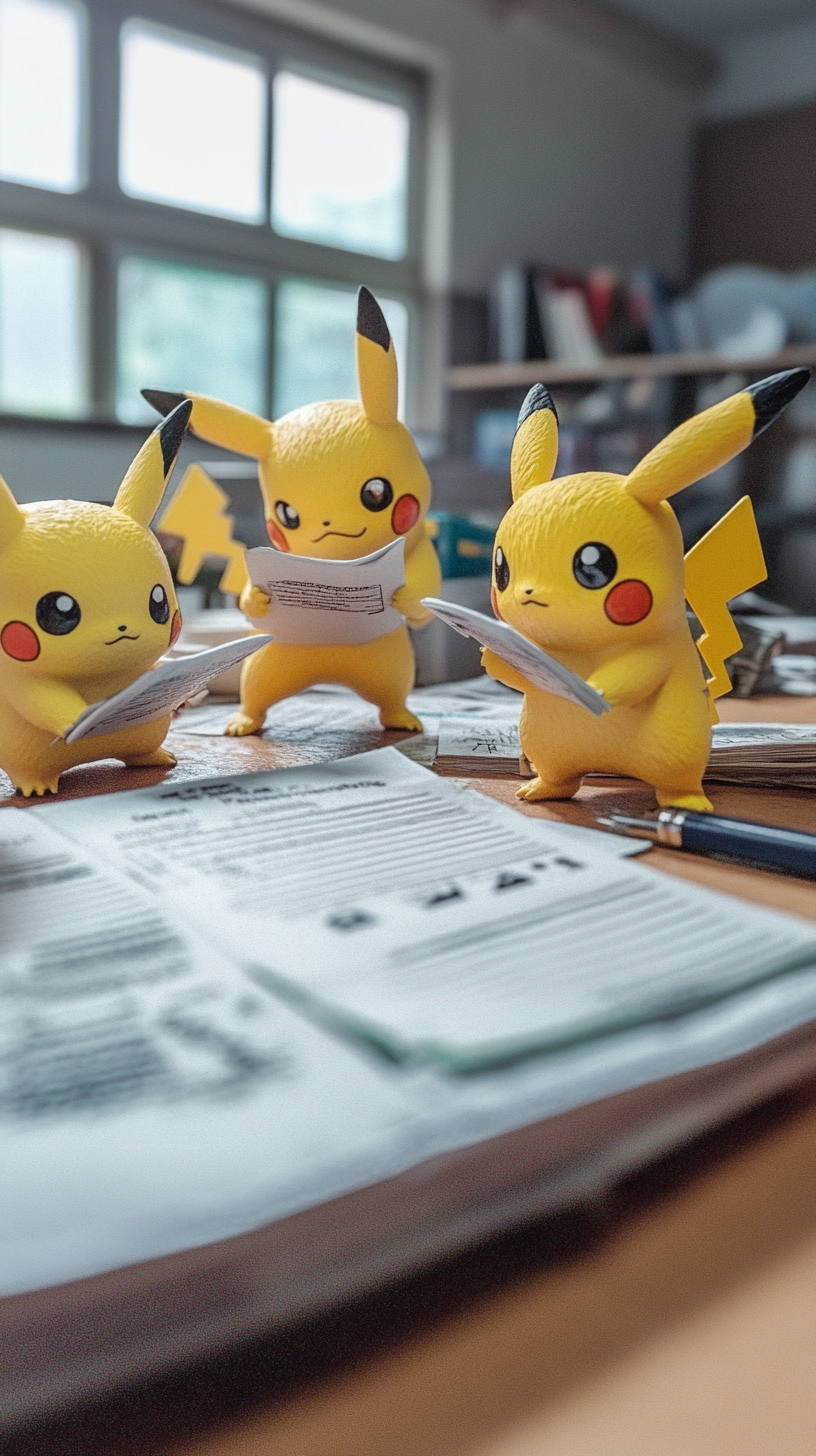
538, 399
163, 400
770, 396
172, 431
370, 319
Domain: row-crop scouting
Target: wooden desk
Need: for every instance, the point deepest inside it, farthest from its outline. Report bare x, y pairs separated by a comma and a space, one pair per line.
681, 1321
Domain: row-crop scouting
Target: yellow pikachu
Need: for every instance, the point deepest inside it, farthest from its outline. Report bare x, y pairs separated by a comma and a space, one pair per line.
86, 606
590, 567
339, 480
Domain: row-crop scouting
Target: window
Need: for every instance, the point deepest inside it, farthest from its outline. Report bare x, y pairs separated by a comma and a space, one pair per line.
314, 343
340, 170
40, 93
239, 182
42, 353
193, 126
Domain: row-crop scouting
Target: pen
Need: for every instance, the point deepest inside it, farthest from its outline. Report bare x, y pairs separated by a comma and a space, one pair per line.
779, 849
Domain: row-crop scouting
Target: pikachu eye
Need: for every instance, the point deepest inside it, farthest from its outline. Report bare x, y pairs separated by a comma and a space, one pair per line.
287, 515
377, 493
502, 570
594, 565
159, 605
57, 613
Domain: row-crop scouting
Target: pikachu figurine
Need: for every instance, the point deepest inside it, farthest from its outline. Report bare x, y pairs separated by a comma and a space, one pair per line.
339, 480
590, 567
86, 606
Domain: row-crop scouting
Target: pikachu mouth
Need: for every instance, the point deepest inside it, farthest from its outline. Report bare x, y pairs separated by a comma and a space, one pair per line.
531, 602
123, 638
349, 535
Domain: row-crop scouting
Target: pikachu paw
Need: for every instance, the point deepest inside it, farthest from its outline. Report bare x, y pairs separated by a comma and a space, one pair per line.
696, 803
400, 718
539, 788
37, 788
242, 723
159, 758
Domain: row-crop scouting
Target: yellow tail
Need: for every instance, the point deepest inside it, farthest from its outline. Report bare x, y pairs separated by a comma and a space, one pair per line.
196, 513
728, 560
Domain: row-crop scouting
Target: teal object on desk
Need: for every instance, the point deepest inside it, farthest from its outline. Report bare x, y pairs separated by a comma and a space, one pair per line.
765, 844
463, 548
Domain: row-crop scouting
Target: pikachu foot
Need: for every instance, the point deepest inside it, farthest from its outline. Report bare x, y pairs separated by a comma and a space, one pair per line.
400, 718
160, 758
539, 788
36, 788
698, 803
242, 723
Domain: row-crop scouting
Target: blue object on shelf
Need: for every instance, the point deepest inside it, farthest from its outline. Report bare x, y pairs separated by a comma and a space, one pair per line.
493, 433
464, 549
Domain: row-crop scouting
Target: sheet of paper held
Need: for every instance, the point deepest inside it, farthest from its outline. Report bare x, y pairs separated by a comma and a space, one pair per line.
473, 970
161, 690
314, 600
152, 1097
537, 666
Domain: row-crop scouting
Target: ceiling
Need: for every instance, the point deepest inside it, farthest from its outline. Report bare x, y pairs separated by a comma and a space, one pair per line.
707, 21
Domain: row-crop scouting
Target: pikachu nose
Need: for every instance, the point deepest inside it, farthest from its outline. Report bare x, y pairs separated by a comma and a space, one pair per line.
122, 627
327, 523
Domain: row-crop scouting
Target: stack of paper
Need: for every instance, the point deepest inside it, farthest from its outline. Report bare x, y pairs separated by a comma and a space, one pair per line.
769, 755
480, 746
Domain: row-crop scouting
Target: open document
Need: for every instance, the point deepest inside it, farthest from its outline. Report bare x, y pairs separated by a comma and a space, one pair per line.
312, 600
476, 970
536, 665
152, 1097
306, 839
161, 690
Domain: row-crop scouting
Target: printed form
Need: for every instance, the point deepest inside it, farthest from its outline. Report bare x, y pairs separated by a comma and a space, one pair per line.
313, 600
152, 1097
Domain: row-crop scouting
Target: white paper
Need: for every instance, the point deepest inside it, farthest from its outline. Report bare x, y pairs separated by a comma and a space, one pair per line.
537, 666
480, 738
152, 1097
475, 969
320, 601
747, 737
161, 690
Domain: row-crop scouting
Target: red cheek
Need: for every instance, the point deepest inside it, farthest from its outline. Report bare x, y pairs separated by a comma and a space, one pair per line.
20, 642
175, 627
405, 514
276, 536
628, 602
494, 602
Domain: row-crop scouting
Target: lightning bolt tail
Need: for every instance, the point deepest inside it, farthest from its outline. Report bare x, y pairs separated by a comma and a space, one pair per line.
728, 560
198, 514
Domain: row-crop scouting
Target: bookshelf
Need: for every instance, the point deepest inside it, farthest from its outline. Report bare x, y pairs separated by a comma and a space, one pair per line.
471, 378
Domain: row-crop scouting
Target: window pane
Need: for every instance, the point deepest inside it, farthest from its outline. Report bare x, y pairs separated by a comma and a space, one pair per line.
39, 93
193, 125
41, 326
189, 328
340, 169
315, 353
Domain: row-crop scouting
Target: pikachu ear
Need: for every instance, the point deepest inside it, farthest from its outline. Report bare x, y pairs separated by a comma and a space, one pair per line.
376, 362
535, 444
12, 519
143, 487
708, 440
218, 423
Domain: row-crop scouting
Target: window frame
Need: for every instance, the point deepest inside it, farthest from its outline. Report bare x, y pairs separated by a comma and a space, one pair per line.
108, 224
